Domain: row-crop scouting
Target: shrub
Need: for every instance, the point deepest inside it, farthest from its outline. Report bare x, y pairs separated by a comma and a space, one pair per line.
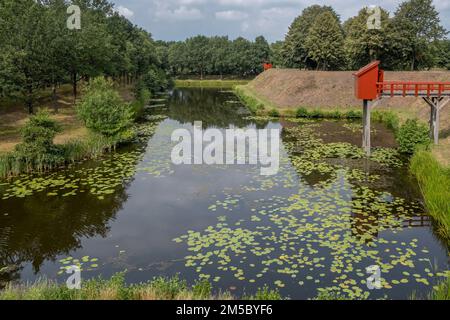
38, 135
274, 113
103, 111
142, 98
155, 80
387, 117
411, 135
302, 113
353, 115
37, 150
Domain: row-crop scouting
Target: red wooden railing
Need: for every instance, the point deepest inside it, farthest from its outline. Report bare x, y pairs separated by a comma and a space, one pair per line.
415, 89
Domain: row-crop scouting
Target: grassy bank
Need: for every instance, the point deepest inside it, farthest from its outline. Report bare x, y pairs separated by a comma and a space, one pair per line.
261, 106
434, 181
39, 152
116, 289
225, 84
164, 289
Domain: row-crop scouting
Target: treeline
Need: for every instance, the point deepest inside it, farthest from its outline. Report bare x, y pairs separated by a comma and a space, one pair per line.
412, 39
202, 56
38, 50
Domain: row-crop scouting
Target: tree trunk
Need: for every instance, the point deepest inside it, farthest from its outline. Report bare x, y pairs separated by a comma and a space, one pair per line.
54, 98
74, 86
29, 102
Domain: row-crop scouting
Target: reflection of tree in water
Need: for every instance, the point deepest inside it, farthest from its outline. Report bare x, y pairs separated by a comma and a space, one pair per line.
43, 228
208, 106
40, 228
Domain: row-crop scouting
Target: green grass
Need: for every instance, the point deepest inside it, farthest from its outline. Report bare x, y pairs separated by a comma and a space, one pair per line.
255, 104
11, 164
441, 292
434, 181
116, 289
327, 114
209, 83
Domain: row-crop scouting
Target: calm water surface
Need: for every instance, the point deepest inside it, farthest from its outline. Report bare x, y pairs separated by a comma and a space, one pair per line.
318, 224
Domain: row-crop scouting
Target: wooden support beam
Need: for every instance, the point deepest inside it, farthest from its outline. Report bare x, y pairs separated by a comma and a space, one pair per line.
443, 102
435, 105
366, 127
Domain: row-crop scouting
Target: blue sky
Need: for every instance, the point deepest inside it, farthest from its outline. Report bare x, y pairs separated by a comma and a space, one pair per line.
180, 19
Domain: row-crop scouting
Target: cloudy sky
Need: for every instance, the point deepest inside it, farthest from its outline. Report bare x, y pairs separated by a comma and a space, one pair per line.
179, 19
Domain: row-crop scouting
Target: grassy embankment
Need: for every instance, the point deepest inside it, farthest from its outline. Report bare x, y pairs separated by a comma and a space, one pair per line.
433, 176
161, 289
76, 142
434, 180
224, 84
116, 289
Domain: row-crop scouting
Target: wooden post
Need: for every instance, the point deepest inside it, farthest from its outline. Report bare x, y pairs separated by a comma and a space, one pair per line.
366, 128
435, 124
434, 104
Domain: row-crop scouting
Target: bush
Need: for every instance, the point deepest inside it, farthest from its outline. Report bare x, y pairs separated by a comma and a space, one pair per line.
37, 150
155, 80
142, 98
411, 135
302, 113
38, 135
103, 111
274, 113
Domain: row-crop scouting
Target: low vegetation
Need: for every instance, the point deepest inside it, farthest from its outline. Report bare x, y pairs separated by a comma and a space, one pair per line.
104, 112
434, 181
412, 135
224, 84
321, 114
116, 289
109, 119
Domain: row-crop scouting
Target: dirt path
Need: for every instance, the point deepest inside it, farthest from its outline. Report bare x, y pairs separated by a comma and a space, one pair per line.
13, 117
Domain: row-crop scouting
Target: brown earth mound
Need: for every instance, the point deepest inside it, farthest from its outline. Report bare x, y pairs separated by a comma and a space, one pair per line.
291, 88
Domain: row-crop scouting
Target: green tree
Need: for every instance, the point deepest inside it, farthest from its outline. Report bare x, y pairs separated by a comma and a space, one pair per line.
198, 54
325, 42
295, 55
262, 52
276, 55
363, 45
37, 140
443, 54
103, 111
419, 21
23, 57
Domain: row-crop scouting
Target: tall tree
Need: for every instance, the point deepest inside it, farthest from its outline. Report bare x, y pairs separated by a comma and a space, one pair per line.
199, 54
362, 44
276, 57
23, 56
325, 42
295, 55
420, 20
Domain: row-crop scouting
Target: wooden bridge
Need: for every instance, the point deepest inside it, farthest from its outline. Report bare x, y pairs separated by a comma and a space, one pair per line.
371, 87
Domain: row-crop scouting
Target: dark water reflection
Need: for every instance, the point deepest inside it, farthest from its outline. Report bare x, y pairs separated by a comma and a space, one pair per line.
134, 227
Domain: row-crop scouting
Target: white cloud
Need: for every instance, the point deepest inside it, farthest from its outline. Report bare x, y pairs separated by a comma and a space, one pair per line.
124, 11
167, 11
231, 15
